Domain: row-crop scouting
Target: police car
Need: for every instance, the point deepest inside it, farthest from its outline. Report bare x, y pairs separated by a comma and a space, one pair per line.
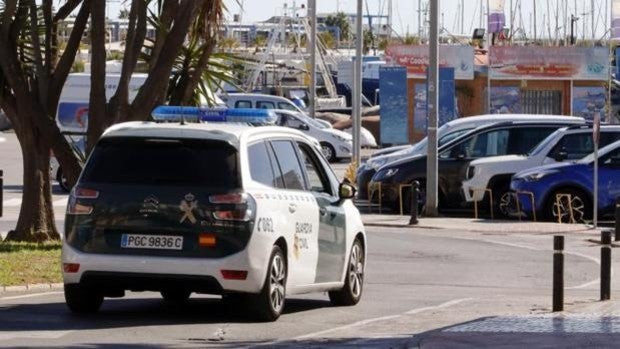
254, 214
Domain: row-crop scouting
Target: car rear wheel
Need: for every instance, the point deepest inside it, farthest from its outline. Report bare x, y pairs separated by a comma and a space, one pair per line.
580, 204
351, 293
503, 200
81, 299
328, 151
269, 303
175, 296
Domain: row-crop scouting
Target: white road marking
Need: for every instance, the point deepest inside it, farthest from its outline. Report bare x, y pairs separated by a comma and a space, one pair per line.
383, 318
4, 336
32, 295
509, 244
60, 202
14, 202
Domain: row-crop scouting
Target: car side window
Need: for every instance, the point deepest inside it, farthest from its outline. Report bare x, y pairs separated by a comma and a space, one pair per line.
286, 106
265, 105
575, 146
293, 122
290, 169
243, 104
480, 145
262, 167
317, 178
608, 137
524, 139
611, 160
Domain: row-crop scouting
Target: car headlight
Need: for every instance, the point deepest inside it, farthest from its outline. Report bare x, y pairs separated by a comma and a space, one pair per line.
536, 176
342, 138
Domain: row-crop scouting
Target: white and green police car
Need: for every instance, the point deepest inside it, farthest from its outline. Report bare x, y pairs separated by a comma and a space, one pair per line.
254, 214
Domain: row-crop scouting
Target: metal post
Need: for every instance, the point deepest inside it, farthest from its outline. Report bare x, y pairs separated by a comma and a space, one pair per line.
1, 191
432, 105
596, 130
617, 225
357, 85
558, 273
312, 42
605, 265
415, 191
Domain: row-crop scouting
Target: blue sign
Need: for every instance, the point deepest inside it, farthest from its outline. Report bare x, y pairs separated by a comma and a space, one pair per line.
447, 101
72, 116
394, 105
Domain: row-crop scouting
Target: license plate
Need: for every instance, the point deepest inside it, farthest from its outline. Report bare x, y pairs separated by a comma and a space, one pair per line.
158, 242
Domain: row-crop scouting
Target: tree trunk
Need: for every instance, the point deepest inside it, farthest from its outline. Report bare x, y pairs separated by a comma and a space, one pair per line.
36, 221
97, 107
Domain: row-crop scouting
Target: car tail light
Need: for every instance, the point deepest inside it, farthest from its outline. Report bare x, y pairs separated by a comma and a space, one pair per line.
236, 198
79, 208
233, 207
235, 274
85, 193
70, 267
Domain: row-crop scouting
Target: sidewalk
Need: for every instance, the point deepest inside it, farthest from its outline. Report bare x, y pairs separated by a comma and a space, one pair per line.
476, 225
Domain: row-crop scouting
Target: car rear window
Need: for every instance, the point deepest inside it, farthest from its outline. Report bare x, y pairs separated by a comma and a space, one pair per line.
161, 161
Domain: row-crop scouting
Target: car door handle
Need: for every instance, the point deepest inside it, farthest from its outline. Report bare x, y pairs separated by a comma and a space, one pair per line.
292, 208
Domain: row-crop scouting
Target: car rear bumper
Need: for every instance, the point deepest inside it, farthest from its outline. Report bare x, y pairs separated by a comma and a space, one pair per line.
142, 273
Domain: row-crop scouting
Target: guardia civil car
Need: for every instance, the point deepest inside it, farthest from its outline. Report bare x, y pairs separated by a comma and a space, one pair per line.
254, 214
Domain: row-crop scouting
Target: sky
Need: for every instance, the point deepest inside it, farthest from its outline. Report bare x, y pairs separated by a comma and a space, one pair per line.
405, 13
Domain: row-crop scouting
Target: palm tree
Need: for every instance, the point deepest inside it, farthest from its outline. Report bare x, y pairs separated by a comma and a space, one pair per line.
341, 21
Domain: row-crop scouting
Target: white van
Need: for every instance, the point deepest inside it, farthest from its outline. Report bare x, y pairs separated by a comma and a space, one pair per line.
335, 144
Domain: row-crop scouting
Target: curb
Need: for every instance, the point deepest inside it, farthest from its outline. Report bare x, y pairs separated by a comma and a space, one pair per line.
30, 287
396, 225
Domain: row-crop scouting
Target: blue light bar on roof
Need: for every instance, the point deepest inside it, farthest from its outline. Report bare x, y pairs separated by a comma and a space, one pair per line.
197, 114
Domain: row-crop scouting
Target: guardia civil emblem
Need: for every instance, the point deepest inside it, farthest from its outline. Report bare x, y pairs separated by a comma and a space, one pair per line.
187, 206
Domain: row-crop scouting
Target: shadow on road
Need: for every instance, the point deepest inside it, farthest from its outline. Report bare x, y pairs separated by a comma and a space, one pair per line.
134, 312
18, 189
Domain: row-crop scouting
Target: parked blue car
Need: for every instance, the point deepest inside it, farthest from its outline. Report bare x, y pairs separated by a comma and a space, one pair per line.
576, 179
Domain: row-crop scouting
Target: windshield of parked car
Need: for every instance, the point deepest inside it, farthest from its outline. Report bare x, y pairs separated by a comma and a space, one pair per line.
543, 145
421, 146
163, 161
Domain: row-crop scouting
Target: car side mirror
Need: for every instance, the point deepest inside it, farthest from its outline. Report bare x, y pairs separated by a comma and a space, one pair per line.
346, 191
560, 156
304, 127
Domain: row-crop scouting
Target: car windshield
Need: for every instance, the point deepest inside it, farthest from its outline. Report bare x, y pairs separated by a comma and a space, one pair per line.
421, 145
163, 161
543, 145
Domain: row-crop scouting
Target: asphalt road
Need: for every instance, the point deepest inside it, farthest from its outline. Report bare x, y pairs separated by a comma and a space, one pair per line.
416, 281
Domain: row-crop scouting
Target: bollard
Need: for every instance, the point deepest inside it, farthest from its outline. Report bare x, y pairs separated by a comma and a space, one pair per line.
1, 191
605, 265
617, 216
415, 192
558, 273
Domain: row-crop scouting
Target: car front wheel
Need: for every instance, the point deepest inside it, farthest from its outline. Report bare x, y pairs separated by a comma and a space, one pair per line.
328, 151
560, 210
351, 293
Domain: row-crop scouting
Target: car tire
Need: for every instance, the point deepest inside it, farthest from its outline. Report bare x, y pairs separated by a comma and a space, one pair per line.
267, 306
81, 299
329, 152
175, 296
503, 200
62, 181
351, 292
582, 207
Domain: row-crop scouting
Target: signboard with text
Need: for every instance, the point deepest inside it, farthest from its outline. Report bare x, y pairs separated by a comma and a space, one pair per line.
549, 63
416, 59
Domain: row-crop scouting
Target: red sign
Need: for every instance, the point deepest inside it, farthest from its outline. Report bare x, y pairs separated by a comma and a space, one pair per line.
416, 59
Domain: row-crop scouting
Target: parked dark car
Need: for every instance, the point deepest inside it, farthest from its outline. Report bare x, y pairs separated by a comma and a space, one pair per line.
515, 137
